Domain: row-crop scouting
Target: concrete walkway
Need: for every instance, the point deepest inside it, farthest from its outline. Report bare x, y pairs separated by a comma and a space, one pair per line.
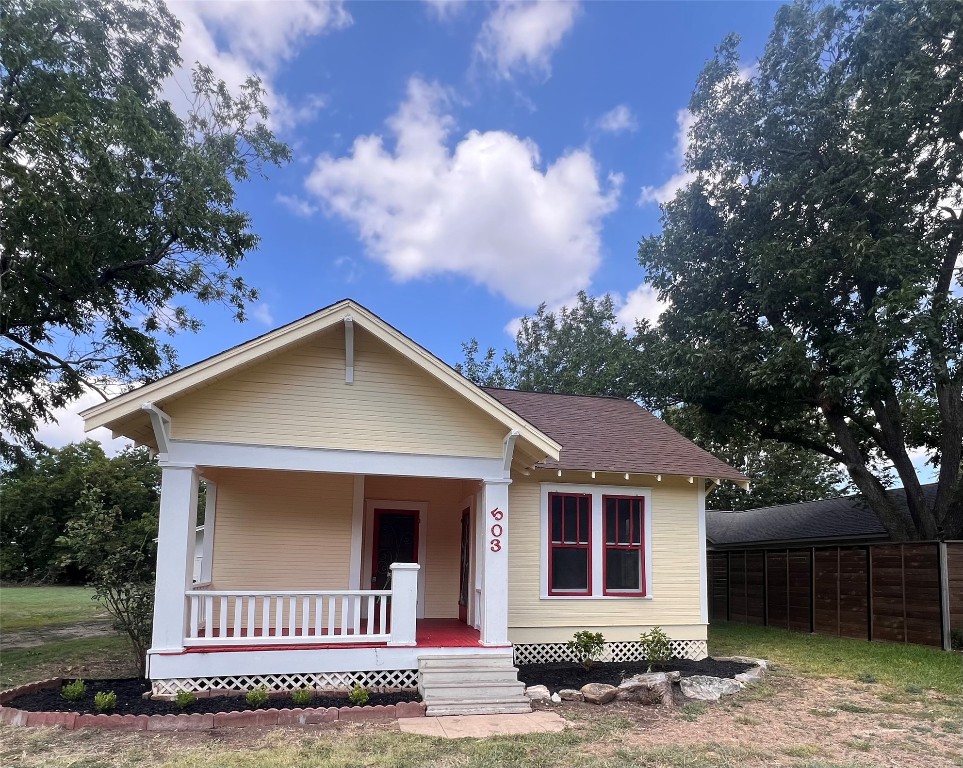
480, 726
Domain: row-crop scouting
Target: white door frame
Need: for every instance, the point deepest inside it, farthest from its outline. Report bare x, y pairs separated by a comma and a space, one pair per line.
421, 507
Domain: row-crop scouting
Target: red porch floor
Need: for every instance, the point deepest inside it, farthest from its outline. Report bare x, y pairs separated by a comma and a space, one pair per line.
429, 633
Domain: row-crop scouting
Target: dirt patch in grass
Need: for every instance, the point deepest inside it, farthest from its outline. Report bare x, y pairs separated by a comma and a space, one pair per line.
568, 675
31, 638
130, 694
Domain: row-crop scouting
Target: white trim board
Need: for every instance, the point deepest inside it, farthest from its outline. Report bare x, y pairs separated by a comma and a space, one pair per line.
598, 531
235, 455
421, 507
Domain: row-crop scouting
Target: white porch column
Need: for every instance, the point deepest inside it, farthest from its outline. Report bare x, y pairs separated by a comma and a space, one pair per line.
494, 553
175, 554
404, 603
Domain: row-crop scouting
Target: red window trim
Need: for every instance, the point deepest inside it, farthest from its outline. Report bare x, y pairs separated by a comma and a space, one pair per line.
587, 592
640, 547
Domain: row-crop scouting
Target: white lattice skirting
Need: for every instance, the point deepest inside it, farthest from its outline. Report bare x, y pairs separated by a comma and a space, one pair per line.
386, 680
543, 653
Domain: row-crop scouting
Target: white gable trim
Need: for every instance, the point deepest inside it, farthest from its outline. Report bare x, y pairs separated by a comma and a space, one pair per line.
220, 365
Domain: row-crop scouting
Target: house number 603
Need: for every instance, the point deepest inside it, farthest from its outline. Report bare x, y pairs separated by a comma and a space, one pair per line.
496, 531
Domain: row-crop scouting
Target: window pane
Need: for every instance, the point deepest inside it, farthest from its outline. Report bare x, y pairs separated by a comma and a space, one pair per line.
610, 512
625, 521
622, 569
584, 525
569, 570
571, 519
637, 521
556, 521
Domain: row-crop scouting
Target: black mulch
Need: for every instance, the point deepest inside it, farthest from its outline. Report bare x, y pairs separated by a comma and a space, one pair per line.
130, 700
569, 675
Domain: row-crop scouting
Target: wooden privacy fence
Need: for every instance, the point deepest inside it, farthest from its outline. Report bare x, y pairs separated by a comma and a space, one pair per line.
907, 593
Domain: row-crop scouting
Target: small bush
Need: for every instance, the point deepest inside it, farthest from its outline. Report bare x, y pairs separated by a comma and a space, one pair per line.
184, 699
257, 697
302, 696
587, 647
656, 646
74, 691
359, 695
105, 701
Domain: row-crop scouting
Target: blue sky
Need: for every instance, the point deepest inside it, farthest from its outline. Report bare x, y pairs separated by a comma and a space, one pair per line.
456, 163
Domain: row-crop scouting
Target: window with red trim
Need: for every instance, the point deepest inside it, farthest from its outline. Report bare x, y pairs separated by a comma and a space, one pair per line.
570, 544
624, 563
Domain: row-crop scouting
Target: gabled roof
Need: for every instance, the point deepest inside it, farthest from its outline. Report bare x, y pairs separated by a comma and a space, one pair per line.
845, 518
612, 435
222, 364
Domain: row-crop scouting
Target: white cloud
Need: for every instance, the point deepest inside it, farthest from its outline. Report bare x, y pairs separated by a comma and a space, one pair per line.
445, 10
667, 190
297, 205
68, 427
641, 303
237, 39
521, 35
262, 313
617, 120
486, 209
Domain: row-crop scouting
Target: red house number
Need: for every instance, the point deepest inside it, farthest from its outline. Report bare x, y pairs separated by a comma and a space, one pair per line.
496, 531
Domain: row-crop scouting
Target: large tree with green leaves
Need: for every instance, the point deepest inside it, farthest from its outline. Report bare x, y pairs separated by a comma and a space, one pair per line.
115, 207
813, 265
583, 350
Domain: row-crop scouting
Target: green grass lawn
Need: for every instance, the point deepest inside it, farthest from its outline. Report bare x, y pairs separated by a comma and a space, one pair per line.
907, 667
42, 607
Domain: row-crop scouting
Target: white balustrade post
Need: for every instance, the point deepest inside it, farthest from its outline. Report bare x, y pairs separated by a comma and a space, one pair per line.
494, 597
175, 555
404, 603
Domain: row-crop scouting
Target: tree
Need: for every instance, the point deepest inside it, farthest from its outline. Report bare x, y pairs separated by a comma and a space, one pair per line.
114, 207
41, 496
117, 552
585, 351
810, 265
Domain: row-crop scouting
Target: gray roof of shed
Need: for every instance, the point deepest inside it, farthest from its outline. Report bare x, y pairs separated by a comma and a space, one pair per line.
847, 517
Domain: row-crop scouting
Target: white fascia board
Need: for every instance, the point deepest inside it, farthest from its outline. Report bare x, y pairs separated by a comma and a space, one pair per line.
331, 460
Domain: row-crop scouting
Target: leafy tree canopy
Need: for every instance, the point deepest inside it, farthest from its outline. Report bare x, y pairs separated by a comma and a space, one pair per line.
813, 265
583, 350
41, 496
114, 207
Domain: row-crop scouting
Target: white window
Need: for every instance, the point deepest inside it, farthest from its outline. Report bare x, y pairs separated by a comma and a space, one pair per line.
595, 542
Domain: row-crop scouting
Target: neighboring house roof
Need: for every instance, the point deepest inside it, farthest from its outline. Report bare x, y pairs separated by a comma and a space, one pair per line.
612, 435
116, 410
844, 518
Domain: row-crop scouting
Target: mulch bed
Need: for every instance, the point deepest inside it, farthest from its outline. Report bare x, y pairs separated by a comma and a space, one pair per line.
570, 675
130, 700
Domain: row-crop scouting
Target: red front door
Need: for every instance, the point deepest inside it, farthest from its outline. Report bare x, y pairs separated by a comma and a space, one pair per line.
464, 573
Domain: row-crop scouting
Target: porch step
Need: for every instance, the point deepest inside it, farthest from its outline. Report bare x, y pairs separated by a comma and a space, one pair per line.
471, 685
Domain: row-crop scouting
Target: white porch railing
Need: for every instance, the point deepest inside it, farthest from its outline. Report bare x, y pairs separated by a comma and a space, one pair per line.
218, 617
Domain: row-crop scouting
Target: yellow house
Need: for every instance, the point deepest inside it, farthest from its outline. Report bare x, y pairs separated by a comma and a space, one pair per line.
373, 517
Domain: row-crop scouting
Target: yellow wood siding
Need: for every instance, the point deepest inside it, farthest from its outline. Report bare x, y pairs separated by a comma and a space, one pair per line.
299, 398
281, 530
675, 571
442, 538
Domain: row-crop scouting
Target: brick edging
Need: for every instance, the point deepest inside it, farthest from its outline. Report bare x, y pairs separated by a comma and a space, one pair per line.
197, 722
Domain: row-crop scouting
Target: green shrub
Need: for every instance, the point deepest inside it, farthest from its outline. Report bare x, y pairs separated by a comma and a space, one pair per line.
359, 695
302, 696
257, 697
656, 646
105, 701
587, 647
74, 691
184, 699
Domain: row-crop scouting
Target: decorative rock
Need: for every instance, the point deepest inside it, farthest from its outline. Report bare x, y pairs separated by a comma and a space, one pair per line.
675, 675
646, 680
599, 693
570, 694
648, 688
745, 660
538, 693
556, 699
751, 676
706, 688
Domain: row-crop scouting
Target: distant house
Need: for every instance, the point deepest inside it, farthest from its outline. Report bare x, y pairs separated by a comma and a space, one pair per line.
373, 517
844, 520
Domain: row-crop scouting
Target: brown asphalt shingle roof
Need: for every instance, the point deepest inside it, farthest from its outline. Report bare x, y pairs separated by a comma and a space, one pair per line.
607, 434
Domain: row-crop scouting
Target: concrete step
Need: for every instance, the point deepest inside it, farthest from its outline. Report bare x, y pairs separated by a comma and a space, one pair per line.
471, 684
